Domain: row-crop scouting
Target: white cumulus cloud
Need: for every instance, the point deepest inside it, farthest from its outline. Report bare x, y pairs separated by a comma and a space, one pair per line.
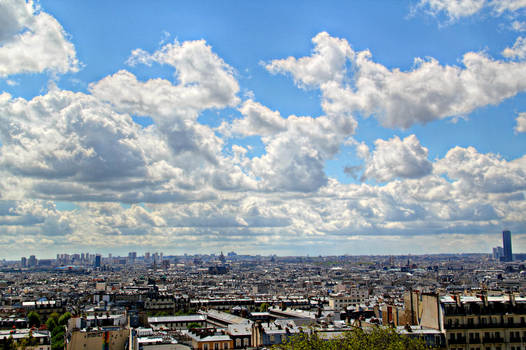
474, 172
258, 120
327, 63
454, 9
427, 92
396, 158
71, 146
296, 147
198, 70
32, 41
295, 158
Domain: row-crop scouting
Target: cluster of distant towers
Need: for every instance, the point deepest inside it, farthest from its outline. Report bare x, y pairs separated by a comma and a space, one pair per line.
504, 253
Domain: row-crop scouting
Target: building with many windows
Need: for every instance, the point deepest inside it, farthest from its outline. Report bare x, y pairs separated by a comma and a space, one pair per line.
474, 322
354, 296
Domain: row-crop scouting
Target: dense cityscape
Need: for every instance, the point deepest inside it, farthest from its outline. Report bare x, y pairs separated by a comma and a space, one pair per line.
217, 301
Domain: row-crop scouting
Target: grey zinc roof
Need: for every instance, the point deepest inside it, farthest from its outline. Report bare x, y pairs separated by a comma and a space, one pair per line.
169, 319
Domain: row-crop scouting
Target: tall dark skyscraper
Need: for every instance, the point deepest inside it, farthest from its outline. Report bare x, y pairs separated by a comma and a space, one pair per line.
98, 260
506, 243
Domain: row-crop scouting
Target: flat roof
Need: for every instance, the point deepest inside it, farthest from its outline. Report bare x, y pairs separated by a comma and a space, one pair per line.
185, 318
450, 299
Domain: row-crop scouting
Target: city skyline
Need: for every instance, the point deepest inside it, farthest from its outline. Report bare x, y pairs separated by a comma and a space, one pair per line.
263, 128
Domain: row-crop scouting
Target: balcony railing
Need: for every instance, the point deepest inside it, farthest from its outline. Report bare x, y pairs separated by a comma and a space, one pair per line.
492, 340
515, 340
461, 340
485, 325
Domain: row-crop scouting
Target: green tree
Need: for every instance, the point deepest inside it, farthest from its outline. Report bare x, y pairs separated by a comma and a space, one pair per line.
181, 312
58, 345
263, 307
52, 322
63, 320
54, 316
194, 325
8, 343
357, 339
33, 319
57, 332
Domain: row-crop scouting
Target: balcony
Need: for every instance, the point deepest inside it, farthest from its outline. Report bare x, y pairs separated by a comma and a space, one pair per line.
460, 340
485, 325
515, 340
492, 340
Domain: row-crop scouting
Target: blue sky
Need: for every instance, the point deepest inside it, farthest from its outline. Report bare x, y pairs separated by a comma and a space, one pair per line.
262, 127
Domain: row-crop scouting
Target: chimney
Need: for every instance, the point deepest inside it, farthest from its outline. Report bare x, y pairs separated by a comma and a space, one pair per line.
457, 299
485, 298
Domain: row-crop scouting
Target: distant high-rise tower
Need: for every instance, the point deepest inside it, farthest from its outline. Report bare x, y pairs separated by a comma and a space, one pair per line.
32, 262
506, 243
98, 260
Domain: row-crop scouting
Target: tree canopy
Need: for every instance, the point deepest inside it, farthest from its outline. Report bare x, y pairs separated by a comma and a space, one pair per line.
33, 319
194, 325
263, 307
357, 339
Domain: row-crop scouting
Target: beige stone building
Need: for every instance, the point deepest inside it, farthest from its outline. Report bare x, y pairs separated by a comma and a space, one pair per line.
114, 338
473, 322
353, 296
484, 322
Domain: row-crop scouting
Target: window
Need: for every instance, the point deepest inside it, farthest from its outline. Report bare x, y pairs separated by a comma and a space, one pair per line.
205, 346
238, 343
245, 341
225, 346
216, 346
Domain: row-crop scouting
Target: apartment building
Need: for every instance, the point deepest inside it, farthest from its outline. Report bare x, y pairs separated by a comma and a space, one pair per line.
353, 296
473, 322
483, 322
